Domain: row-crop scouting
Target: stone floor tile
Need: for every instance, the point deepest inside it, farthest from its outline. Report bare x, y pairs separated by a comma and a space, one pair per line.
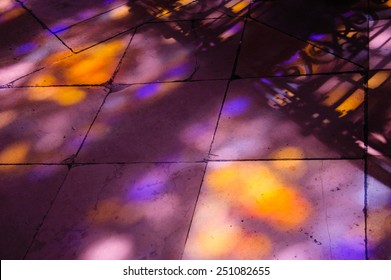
121, 212
277, 54
279, 210
24, 44
379, 113
45, 125
94, 66
175, 51
58, 15
380, 44
307, 120
27, 193
115, 22
379, 209
155, 122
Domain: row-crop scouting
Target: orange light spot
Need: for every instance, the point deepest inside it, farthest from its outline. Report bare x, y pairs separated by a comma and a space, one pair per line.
114, 210
68, 97
14, 154
7, 117
256, 190
252, 247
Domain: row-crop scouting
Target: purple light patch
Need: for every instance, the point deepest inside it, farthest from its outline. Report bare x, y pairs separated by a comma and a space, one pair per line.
147, 91
58, 28
25, 48
145, 190
317, 37
108, 2
266, 81
237, 106
346, 252
178, 72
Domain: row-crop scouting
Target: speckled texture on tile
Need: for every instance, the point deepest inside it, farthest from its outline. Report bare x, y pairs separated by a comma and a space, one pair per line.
121, 212
45, 124
156, 122
280, 210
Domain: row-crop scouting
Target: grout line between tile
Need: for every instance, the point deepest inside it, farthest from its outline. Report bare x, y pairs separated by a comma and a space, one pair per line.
44, 26
45, 215
366, 131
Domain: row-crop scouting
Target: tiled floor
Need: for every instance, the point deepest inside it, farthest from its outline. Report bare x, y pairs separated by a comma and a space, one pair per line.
185, 129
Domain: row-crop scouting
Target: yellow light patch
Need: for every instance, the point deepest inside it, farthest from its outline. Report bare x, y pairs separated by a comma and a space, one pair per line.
240, 6
41, 94
44, 79
68, 97
350, 104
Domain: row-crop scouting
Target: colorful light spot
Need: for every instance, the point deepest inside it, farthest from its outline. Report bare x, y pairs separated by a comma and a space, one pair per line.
15, 153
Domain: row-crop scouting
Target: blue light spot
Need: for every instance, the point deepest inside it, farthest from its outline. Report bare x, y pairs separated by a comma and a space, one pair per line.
24, 49
147, 91
237, 106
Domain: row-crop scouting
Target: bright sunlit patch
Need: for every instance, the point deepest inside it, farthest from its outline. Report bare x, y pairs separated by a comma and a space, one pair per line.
7, 117
114, 247
378, 79
15, 153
